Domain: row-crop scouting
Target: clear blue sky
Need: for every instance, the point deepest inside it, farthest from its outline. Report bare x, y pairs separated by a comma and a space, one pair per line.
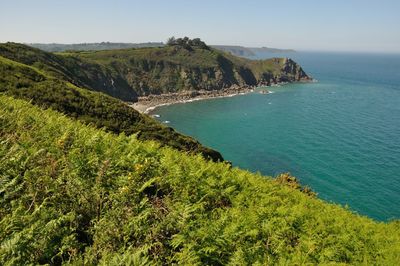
340, 25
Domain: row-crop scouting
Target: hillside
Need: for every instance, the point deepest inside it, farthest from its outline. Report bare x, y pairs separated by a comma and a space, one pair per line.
250, 51
71, 82
71, 69
129, 73
233, 49
45, 86
186, 67
60, 47
73, 194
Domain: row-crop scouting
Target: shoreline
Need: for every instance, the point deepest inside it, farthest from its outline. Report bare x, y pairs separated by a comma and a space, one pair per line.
147, 104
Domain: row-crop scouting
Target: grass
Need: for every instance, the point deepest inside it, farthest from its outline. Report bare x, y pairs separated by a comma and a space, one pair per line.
27, 82
74, 194
102, 185
129, 73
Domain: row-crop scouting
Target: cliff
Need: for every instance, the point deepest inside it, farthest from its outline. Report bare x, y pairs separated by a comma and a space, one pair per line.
50, 79
44, 79
282, 70
74, 194
129, 73
81, 73
233, 49
177, 68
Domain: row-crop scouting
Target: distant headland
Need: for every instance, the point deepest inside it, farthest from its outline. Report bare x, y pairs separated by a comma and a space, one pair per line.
233, 49
250, 51
181, 70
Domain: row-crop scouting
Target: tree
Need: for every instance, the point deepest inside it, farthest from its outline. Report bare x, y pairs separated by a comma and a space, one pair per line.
171, 41
187, 43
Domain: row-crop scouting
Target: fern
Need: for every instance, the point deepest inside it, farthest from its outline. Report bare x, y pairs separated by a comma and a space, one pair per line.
75, 195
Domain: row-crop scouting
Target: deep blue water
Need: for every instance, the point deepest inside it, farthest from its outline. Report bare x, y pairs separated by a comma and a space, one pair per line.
340, 136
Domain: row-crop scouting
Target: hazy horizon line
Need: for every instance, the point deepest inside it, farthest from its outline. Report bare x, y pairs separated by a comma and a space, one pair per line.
239, 45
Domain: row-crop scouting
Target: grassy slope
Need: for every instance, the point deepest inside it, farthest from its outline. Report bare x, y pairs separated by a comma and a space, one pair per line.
197, 57
28, 82
70, 193
59, 47
173, 68
169, 69
127, 73
53, 81
80, 73
174, 54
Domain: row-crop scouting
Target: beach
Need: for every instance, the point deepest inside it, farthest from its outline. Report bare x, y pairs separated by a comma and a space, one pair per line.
146, 104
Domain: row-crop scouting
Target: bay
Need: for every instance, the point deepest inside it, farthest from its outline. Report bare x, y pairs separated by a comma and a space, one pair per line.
340, 135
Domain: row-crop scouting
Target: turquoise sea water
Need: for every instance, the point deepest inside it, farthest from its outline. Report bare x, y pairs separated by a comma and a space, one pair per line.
340, 136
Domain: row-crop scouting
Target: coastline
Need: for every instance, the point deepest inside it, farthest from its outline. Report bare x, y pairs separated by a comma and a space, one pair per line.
147, 104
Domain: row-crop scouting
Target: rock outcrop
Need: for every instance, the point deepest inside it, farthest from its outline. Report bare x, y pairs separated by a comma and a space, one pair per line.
128, 74
290, 71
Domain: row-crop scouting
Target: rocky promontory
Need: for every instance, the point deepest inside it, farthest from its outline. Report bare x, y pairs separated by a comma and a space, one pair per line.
186, 66
184, 69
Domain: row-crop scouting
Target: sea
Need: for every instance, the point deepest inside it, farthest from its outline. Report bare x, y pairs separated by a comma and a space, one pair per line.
339, 135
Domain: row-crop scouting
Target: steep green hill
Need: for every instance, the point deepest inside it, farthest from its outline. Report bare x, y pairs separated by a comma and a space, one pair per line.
74, 194
78, 72
68, 82
176, 68
43, 89
59, 47
129, 73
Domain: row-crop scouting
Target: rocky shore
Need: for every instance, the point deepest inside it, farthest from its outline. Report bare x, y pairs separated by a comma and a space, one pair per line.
146, 104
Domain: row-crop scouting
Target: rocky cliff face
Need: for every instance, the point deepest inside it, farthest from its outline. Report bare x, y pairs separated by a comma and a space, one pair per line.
28, 77
289, 71
130, 73
176, 69
160, 76
82, 73
293, 72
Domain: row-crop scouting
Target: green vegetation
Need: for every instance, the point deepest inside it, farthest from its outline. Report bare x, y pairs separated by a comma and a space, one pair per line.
38, 86
74, 194
64, 82
58, 47
107, 188
186, 64
190, 65
235, 50
187, 43
83, 74
183, 64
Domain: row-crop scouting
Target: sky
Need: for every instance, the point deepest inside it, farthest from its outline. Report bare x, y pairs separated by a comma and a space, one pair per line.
340, 25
